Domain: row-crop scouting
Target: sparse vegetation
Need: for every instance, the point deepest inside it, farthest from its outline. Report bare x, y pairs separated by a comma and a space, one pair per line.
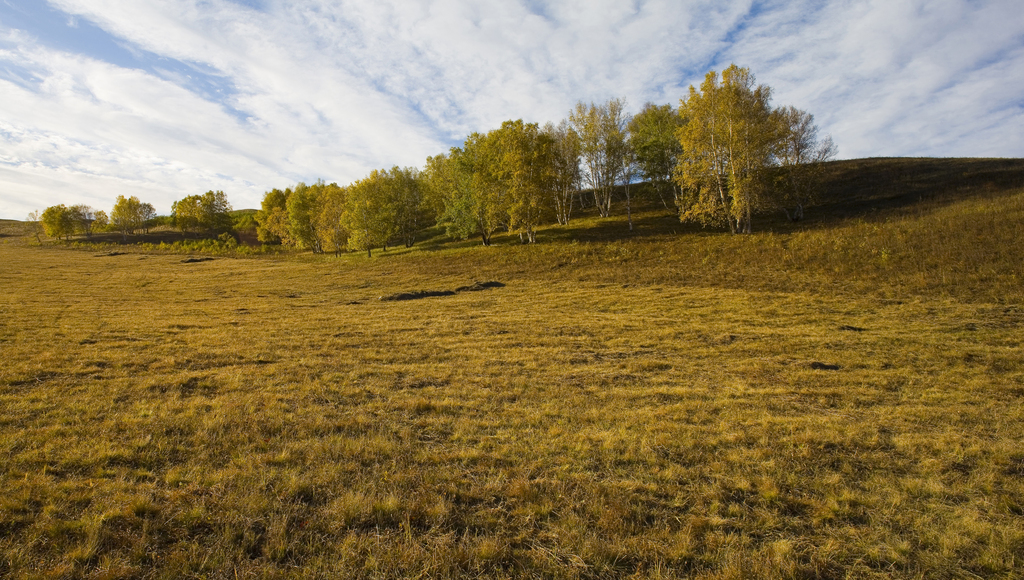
839, 398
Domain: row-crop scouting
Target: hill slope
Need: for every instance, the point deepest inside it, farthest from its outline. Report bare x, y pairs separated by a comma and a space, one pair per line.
835, 398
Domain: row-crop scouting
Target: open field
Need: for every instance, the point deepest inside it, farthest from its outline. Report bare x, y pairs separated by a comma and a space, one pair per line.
845, 400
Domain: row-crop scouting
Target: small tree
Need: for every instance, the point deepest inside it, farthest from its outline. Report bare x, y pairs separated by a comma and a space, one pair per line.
59, 221
216, 211
801, 156
100, 221
565, 167
148, 215
84, 218
272, 219
729, 141
602, 132
187, 214
370, 212
35, 225
652, 137
303, 213
407, 195
126, 217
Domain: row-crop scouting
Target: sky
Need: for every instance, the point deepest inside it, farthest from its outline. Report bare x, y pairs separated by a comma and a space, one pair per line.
164, 99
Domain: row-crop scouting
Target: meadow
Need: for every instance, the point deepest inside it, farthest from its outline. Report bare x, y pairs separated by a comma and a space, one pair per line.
837, 399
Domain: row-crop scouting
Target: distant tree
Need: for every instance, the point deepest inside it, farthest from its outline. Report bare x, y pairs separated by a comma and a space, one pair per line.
521, 165
565, 166
243, 222
84, 218
273, 226
801, 157
59, 221
35, 225
462, 188
652, 137
303, 213
187, 214
729, 141
370, 212
148, 214
216, 211
487, 200
100, 221
126, 216
408, 198
449, 193
602, 132
330, 207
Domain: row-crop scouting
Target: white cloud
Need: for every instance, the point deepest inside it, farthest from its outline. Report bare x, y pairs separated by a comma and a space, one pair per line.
318, 88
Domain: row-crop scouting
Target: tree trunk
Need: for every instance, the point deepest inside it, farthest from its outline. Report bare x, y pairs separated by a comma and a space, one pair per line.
629, 210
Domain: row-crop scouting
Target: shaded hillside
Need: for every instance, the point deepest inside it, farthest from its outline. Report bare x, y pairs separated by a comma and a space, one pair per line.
856, 187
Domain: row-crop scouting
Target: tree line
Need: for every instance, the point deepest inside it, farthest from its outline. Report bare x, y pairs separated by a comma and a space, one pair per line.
723, 156
129, 216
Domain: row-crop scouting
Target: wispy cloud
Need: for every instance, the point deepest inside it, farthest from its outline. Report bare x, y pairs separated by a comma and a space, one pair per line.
166, 99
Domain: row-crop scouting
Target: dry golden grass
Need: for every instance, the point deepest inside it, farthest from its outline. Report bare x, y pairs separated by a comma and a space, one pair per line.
646, 407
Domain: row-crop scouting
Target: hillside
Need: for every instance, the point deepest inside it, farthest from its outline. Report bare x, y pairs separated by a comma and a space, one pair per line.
835, 398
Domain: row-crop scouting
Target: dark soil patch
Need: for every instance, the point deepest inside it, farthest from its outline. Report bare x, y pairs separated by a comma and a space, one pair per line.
416, 295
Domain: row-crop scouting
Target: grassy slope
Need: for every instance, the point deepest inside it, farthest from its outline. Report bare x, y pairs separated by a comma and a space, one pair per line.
639, 405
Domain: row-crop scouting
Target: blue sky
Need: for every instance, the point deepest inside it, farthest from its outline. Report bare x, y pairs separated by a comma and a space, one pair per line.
166, 99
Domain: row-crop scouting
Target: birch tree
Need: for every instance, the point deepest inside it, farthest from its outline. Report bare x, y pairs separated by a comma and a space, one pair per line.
187, 214
272, 226
84, 217
801, 156
195, 213
126, 215
565, 167
652, 137
370, 212
602, 133
407, 196
729, 141
331, 200
35, 224
58, 221
464, 192
303, 212
521, 166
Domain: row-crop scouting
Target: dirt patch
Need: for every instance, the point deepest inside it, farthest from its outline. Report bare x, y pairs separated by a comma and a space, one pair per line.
416, 295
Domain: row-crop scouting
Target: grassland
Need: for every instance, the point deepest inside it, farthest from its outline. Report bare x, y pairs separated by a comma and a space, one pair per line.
841, 399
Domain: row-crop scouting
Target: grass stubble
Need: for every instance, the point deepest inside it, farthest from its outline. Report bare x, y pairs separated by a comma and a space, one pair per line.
638, 408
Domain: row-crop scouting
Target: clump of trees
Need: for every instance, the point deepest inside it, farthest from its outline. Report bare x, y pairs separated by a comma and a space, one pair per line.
198, 213
740, 155
60, 221
130, 215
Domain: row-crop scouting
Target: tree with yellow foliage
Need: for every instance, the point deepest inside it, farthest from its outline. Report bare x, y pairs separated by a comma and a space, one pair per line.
729, 139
